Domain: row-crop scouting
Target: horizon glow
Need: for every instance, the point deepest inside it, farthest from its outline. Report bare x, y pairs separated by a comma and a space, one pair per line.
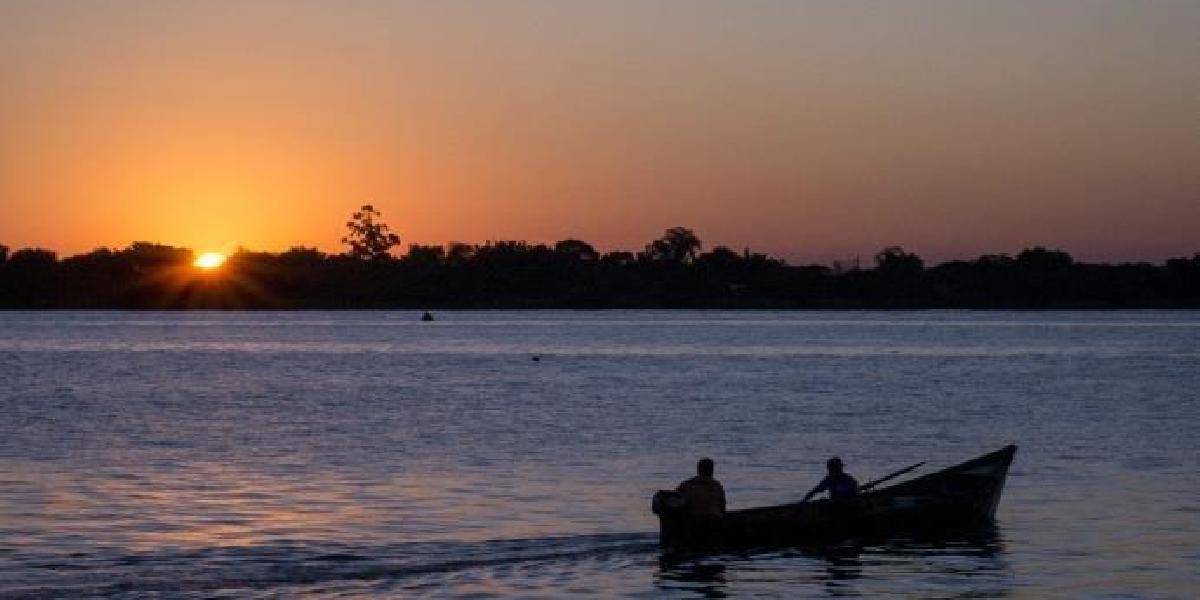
812, 131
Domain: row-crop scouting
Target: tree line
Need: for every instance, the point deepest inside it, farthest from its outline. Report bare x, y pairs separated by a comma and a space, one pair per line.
672, 271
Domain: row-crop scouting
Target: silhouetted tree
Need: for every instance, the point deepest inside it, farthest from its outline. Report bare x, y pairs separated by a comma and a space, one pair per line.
577, 249
425, 255
368, 238
508, 252
519, 274
1184, 274
1184, 266
1043, 260
618, 257
147, 255
719, 256
897, 281
30, 278
3, 253
459, 253
35, 258
678, 245
994, 260
300, 255
893, 260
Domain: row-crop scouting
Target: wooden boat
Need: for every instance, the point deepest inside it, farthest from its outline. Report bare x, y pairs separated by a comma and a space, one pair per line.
965, 495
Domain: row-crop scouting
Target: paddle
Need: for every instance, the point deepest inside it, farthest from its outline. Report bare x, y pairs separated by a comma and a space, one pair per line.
867, 486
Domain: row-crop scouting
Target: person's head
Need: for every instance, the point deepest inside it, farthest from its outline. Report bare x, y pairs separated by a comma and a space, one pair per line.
705, 467
834, 465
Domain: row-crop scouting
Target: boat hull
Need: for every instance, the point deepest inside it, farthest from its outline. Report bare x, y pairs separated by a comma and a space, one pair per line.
965, 495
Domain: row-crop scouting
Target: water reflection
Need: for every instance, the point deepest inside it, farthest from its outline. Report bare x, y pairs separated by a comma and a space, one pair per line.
971, 563
840, 572
217, 505
705, 579
254, 453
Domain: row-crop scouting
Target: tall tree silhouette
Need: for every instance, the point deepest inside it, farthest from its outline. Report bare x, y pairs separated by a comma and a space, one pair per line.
369, 238
894, 260
678, 245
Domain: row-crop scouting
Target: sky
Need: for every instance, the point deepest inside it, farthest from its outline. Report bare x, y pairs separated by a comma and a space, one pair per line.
814, 131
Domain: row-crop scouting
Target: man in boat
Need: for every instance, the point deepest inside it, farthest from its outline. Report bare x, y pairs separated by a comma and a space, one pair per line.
840, 485
704, 495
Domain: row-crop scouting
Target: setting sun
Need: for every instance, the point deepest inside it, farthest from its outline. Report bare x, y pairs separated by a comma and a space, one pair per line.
209, 260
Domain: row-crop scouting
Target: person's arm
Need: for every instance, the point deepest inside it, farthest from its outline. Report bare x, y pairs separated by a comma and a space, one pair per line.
722, 500
824, 485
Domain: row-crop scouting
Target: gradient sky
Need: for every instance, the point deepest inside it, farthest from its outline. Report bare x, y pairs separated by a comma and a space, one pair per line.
810, 130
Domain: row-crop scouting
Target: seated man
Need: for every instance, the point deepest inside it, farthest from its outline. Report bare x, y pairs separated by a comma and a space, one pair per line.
705, 496
840, 485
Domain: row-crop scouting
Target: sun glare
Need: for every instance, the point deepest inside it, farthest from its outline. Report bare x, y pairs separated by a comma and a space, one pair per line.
209, 260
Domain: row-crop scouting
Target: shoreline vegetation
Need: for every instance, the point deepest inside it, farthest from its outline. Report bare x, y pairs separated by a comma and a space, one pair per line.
670, 272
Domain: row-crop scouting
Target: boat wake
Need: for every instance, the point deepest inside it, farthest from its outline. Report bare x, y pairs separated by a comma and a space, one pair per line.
325, 569
269, 567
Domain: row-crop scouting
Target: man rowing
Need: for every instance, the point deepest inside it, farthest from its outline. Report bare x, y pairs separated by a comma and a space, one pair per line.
840, 485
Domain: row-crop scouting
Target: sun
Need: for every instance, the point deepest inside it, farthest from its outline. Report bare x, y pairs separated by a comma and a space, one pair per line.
209, 261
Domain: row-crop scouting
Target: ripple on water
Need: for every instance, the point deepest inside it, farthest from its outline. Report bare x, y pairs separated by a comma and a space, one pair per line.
356, 454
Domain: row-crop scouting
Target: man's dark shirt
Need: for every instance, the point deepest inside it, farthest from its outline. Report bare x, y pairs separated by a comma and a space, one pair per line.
705, 497
840, 486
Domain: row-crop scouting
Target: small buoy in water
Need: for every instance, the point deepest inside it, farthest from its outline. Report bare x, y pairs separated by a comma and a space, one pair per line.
536, 358
427, 317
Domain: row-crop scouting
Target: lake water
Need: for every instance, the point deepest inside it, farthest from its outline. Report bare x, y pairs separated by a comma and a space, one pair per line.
366, 454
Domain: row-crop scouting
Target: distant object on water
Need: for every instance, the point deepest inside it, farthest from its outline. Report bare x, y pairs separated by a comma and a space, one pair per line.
536, 357
963, 496
427, 317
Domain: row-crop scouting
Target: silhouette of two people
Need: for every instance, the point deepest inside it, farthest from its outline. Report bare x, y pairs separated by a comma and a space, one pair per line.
704, 496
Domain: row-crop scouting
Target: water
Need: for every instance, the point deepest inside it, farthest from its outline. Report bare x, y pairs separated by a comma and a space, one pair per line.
366, 454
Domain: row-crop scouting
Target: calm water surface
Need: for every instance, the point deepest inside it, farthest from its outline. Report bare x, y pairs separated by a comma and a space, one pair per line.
366, 454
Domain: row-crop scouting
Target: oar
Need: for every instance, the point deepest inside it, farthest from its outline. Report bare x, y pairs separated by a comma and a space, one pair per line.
867, 486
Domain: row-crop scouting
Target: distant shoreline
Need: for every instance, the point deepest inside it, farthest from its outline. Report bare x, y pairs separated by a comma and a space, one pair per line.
671, 274
417, 311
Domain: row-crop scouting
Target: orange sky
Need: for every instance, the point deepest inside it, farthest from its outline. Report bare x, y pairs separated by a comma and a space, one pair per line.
810, 130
